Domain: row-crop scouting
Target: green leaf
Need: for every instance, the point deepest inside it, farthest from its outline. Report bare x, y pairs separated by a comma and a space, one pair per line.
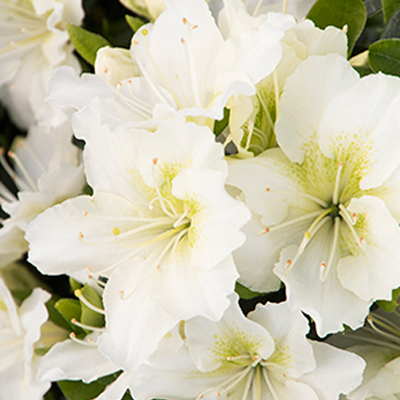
245, 293
134, 22
392, 29
70, 309
88, 316
384, 56
389, 7
339, 13
77, 390
390, 306
219, 126
86, 43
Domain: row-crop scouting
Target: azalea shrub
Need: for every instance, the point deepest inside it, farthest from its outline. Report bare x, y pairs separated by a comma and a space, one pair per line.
200, 199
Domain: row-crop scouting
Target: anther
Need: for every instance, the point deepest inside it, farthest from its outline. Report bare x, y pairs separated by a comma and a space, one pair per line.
155, 160
182, 40
105, 70
184, 20
135, 42
85, 213
345, 29
145, 32
288, 263
116, 231
80, 235
195, 27
267, 189
119, 85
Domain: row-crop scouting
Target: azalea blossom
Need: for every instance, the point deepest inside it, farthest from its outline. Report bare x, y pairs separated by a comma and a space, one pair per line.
46, 171
252, 118
20, 331
160, 226
264, 356
378, 342
325, 204
194, 78
33, 42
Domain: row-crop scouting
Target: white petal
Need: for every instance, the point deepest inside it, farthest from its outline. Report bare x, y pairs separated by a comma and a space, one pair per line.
79, 233
373, 273
306, 94
135, 323
70, 360
360, 126
337, 371
184, 291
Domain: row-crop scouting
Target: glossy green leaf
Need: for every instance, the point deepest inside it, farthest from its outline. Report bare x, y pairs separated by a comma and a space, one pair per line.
384, 56
392, 29
134, 22
340, 13
390, 306
77, 390
86, 43
389, 8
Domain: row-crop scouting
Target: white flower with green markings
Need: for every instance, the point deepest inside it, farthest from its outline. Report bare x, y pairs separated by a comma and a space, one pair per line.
160, 225
33, 42
265, 356
326, 203
195, 78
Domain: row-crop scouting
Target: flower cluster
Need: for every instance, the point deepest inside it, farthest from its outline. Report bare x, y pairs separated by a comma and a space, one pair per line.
222, 197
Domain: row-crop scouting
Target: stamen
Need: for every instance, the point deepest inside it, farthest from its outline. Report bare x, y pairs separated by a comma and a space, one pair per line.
80, 341
25, 173
160, 74
325, 268
258, 380
318, 223
348, 220
21, 184
269, 384
87, 327
289, 223
335, 196
250, 128
285, 6
79, 295
394, 336
248, 385
194, 85
183, 216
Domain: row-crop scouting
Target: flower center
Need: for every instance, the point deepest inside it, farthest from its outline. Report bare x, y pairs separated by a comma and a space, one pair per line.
330, 212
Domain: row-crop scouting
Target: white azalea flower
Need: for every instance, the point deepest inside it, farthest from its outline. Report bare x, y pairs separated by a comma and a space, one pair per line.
160, 225
265, 356
186, 68
378, 342
46, 172
33, 42
326, 203
20, 329
252, 119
